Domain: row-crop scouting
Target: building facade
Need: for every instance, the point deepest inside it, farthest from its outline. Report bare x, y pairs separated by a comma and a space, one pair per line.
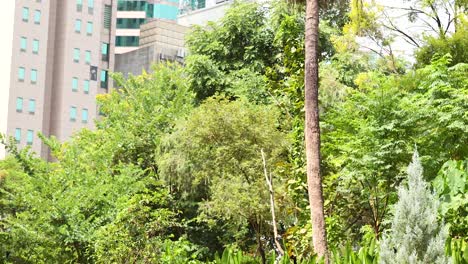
62, 53
7, 21
200, 12
160, 40
133, 13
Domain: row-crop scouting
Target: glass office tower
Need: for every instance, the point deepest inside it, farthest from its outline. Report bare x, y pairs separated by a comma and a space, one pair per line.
132, 13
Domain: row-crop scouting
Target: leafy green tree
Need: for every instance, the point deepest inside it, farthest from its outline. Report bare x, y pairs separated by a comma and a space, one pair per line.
455, 45
237, 49
451, 186
214, 159
368, 137
55, 212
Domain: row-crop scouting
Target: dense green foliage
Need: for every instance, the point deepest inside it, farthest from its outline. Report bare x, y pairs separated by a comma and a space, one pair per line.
173, 172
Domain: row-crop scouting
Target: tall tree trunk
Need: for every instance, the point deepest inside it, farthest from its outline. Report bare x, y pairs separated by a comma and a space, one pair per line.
312, 130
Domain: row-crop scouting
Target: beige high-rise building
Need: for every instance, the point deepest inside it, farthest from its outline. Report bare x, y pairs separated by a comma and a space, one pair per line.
62, 52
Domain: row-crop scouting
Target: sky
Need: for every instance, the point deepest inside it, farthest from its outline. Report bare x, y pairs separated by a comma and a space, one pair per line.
6, 27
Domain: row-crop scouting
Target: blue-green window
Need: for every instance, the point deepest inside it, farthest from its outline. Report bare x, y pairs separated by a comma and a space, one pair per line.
105, 51
89, 28
103, 79
86, 86
29, 137
165, 11
135, 5
76, 55
88, 57
78, 25
72, 113
37, 17
33, 76
79, 5
21, 72
74, 84
84, 115
35, 46
23, 43
130, 23
32, 106
19, 104
18, 135
25, 14
127, 41
90, 5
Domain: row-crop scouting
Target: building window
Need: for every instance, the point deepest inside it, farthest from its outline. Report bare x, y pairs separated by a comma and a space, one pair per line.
84, 115
78, 25
86, 86
74, 84
35, 46
127, 41
89, 28
21, 73
105, 51
88, 57
107, 16
23, 43
73, 114
25, 14
19, 104
90, 6
29, 137
33, 76
32, 106
76, 55
79, 5
130, 23
18, 135
103, 79
37, 17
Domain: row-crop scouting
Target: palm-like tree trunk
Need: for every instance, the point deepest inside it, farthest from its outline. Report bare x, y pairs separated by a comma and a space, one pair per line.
312, 130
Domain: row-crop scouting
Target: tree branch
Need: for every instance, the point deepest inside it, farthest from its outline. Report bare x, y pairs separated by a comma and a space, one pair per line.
269, 182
